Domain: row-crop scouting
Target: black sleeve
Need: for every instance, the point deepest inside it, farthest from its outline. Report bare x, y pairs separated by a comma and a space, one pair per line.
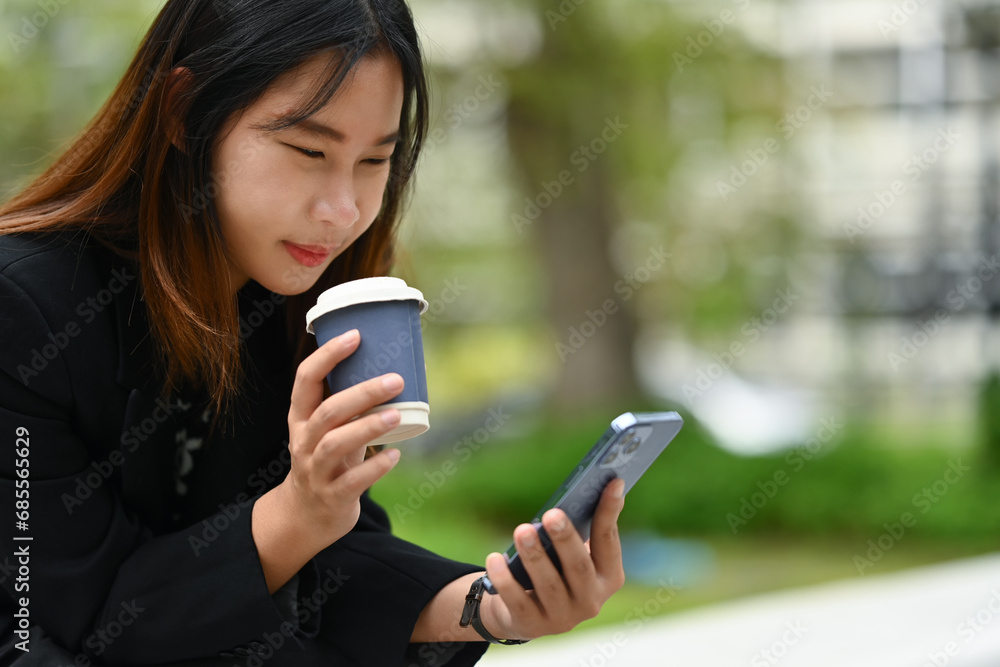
383, 583
101, 584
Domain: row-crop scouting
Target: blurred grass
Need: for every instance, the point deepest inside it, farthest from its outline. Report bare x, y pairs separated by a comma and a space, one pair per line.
847, 489
464, 504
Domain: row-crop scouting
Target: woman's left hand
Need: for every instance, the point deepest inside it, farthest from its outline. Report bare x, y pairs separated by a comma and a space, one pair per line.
592, 572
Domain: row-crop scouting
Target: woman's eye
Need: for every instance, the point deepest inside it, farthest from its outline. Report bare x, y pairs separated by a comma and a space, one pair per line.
307, 152
377, 160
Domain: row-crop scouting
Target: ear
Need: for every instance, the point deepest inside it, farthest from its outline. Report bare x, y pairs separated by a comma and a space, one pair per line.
178, 84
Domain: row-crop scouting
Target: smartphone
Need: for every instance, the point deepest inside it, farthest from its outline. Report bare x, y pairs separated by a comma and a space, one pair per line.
626, 450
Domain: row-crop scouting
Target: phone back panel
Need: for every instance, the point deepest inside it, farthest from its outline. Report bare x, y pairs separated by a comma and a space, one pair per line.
627, 449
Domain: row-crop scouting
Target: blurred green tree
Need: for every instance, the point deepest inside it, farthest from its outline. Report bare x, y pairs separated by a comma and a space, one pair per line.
600, 123
58, 63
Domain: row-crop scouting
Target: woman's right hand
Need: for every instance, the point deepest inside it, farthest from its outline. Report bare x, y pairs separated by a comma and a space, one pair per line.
327, 444
319, 501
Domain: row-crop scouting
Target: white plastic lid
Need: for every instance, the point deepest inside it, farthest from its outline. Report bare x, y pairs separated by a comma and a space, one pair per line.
364, 290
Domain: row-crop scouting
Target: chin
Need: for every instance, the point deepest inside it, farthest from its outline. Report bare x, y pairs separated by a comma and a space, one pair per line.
291, 282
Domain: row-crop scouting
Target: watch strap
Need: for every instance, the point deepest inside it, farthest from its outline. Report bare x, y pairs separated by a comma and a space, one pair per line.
470, 615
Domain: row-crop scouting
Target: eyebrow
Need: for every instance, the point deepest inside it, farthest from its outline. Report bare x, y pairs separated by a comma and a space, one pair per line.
319, 129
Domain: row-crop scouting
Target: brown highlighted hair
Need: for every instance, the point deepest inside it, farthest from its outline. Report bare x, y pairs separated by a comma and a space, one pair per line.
129, 187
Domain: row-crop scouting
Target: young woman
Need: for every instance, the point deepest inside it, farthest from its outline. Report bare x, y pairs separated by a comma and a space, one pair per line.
185, 489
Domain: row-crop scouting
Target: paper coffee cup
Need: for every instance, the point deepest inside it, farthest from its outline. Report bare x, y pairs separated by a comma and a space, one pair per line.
387, 314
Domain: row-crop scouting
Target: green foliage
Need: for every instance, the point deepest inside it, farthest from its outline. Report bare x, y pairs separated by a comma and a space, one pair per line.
989, 421
59, 62
847, 491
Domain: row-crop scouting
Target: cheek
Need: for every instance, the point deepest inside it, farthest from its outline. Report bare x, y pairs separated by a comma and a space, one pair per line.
374, 193
255, 188
249, 162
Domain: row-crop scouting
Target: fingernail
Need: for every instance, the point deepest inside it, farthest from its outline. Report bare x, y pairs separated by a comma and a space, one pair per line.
528, 539
393, 454
559, 526
351, 337
390, 417
392, 382
620, 490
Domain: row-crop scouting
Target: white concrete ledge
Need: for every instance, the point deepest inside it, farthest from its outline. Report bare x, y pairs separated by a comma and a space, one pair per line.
946, 614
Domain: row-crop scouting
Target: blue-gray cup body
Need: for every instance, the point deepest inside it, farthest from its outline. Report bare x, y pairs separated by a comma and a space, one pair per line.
391, 342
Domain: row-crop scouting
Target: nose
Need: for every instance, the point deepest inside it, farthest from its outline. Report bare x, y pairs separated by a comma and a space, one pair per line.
336, 204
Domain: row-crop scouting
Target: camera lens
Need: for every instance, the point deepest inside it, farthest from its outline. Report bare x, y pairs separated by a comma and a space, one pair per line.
610, 458
632, 445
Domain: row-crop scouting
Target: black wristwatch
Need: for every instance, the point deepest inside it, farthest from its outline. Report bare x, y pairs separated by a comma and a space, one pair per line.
470, 614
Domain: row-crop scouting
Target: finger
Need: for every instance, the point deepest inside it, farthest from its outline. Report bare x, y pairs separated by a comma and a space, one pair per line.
353, 437
307, 392
605, 546
549, 587
577, 567
353, 457
348, 487
520, 604
345, 405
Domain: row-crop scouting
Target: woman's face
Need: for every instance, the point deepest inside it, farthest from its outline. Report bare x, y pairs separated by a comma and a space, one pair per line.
290, 201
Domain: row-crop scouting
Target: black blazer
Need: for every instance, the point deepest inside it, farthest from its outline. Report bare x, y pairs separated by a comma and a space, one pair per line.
121, 568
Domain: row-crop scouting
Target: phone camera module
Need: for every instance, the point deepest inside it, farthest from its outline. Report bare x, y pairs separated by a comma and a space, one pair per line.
610, 457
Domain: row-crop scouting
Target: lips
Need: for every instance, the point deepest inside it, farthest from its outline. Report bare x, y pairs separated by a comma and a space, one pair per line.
317, 249
310, 256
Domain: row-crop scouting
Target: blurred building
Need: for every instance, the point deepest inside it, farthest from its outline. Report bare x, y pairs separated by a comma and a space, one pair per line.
904, 190
891, 145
